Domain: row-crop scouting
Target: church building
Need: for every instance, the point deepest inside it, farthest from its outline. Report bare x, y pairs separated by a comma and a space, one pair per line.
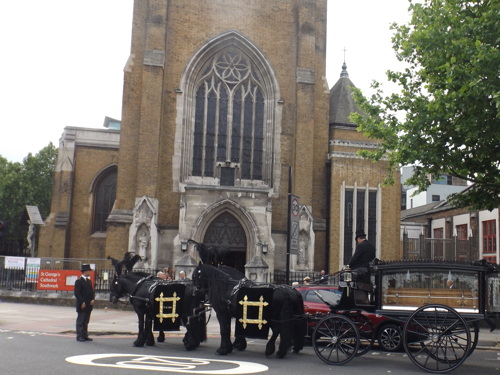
226, 110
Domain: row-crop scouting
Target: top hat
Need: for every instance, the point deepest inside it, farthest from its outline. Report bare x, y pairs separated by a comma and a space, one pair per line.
86, 267
360, 233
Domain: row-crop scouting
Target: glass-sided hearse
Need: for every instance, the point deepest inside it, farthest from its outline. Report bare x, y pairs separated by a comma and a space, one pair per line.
438, 304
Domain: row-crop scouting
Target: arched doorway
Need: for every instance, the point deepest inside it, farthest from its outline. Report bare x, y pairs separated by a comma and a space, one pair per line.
226, 231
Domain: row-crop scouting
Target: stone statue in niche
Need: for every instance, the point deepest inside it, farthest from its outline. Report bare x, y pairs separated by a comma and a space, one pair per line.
302, 255
143, 243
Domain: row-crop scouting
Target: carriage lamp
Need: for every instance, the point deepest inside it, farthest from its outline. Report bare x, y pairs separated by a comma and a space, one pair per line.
184, 246
265, 248
347, 274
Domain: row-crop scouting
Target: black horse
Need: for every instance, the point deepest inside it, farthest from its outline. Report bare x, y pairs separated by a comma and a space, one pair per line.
220, 285
140, 287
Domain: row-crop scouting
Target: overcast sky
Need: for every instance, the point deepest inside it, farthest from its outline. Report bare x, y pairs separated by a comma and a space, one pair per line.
62, 61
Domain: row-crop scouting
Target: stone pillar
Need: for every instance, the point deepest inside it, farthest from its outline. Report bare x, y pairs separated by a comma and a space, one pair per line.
186, 264
257, 270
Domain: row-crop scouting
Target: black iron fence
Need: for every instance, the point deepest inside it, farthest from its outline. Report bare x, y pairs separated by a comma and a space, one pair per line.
295, 276
18, 274
13, 248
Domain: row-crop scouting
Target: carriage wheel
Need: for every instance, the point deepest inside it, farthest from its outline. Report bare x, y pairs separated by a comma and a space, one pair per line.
335, 339
436, 338
366, 331
474, 335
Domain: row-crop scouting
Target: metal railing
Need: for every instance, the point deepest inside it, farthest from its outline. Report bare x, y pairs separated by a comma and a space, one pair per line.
295, 276
25, 277
451, 249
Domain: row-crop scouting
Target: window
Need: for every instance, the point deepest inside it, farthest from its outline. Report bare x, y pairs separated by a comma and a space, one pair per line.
438, 233
104, 198
443, 180
489, 237
360, 212
229, 116
231, 113
461, 232
436, 198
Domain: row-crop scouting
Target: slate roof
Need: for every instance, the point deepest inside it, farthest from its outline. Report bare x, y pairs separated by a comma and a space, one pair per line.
417, 211
341, 100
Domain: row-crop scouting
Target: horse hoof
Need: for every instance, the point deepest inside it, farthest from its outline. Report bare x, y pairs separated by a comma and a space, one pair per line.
190, 345
240, 347
160, 339
297, 349
270, 350
138, 345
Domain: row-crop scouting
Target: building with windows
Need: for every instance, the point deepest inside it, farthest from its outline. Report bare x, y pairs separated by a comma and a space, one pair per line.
438, 230
225, 107
439, 189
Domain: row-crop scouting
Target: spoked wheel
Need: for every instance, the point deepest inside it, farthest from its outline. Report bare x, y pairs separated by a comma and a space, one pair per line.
474, 335
335, 339
436, 338
365, 329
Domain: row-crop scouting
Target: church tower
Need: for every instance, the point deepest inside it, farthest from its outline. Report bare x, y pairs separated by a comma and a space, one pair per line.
221, 98
358, 199
225, 105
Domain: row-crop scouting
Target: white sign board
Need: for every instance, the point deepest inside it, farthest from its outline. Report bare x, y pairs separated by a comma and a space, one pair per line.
14, 263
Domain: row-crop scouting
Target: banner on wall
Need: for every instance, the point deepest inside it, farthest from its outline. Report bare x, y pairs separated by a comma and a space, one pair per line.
59, 279
17, 263
32, 269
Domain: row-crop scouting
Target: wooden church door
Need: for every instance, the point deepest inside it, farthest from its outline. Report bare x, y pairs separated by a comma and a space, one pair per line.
226, 231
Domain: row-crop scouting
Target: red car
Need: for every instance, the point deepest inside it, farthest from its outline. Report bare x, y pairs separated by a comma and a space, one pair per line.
387, 331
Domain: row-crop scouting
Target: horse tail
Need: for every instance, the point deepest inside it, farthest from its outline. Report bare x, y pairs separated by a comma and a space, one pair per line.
195, 318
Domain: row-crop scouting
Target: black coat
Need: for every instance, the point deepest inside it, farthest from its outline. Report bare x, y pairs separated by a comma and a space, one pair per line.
364, 254
84, 292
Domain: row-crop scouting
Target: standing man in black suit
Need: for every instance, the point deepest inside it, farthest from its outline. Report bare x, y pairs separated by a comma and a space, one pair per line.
84, 293
365, 252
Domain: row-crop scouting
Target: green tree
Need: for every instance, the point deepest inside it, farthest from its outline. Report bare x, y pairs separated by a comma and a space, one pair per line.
445, 119
26, 183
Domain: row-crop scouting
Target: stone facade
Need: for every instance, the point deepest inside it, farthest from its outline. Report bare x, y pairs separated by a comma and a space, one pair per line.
261, 63
83, 155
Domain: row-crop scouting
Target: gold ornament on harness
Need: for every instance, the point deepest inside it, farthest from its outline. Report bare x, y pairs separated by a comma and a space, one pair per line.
245, 303
172, 299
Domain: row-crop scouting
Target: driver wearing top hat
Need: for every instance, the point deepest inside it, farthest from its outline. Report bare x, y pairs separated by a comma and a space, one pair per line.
365, 252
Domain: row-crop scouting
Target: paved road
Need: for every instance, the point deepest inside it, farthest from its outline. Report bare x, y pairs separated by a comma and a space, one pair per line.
48, 333
61, 319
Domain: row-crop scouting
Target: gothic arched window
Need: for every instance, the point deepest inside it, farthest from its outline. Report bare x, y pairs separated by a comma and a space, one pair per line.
229, 116
229, 130
104, 198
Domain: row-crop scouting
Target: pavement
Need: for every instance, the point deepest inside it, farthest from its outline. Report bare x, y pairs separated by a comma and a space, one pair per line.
55, 313
39, 315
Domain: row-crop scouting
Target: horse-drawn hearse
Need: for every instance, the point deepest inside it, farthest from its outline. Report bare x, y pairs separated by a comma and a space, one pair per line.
438, 305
